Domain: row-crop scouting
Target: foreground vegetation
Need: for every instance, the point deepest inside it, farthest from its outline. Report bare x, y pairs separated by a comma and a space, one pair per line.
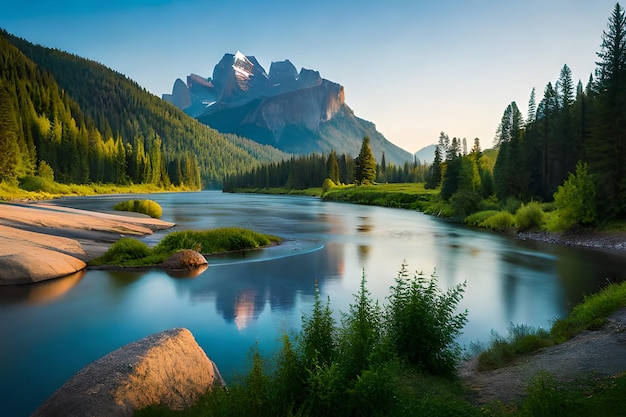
132, 252
149, 207
399, 360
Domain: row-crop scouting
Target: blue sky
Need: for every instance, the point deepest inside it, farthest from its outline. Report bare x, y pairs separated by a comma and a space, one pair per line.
414, 68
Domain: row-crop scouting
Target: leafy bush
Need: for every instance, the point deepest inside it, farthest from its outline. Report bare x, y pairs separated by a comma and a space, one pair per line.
575, 200
126, 251
148, 207
465, 202
501, 221
477, 219
327, 185
529, 216
423, 322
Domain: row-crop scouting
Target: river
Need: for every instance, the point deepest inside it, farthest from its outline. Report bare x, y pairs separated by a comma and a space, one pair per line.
51, 330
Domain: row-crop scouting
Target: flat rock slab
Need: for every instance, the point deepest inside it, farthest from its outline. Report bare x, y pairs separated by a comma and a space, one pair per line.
40, 242
27, 257
167, 368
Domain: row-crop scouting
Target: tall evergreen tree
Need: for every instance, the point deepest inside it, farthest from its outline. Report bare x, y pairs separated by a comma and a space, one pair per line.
606, 148
532, 108
9, 130
332, 167
434, 171
365, 164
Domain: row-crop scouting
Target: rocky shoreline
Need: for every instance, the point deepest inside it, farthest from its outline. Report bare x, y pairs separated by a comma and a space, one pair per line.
606, 241
41, 241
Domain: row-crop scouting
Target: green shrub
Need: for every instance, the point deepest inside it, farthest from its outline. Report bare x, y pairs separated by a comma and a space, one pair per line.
327, 185
125, 251
576, 199
501, 221
465, 202
529, 216
423, 323
148, 207
477, 219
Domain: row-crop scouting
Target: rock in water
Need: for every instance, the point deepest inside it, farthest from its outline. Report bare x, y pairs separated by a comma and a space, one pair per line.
168, 368
185, 259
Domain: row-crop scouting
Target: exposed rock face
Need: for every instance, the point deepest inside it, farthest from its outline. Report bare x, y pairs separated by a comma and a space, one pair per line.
40, 242
167, 368
285, 109
185, 259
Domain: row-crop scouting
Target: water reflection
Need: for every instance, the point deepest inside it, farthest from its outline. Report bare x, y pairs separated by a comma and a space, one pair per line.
40, 292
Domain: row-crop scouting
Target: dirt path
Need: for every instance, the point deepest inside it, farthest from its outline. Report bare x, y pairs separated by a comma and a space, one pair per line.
599, 353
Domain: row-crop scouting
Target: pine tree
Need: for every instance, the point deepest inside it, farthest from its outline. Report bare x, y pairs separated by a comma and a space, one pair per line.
9, 149
332, 167
365, 164
434, 171
606, 148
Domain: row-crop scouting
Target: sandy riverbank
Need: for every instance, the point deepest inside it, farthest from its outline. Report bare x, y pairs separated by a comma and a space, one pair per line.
40, 241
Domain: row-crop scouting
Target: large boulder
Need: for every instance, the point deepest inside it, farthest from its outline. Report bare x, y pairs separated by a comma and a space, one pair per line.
168, 368
185, 259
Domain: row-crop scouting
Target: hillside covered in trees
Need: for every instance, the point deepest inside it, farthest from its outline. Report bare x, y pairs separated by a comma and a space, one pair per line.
572, 123
79, 122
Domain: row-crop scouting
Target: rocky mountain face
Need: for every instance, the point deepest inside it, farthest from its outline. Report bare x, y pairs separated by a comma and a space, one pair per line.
296, 112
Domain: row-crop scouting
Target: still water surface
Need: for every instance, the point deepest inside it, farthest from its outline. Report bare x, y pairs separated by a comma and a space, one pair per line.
51, 330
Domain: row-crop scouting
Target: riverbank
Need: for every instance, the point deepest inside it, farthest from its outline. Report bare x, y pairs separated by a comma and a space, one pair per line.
39, 241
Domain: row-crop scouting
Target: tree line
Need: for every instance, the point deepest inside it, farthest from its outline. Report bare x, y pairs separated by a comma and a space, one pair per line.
309, 171
571, 125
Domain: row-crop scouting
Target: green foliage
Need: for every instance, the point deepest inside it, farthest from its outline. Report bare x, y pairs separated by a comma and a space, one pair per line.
575, 199
149, 207
360, 333
410, 196
45, 171
530, 216
224, 239
327, 185
318, 336
522, 339
132, 252
465, 202
478, 219
126, 251
500, 221
591, 313
423, 322
365, 164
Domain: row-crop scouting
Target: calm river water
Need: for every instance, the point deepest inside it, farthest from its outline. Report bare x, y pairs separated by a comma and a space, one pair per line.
51, 330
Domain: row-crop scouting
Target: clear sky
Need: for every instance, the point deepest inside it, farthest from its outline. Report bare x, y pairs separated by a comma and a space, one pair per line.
414, 68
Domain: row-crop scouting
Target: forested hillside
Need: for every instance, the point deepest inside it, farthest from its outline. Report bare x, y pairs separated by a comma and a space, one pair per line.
82, 122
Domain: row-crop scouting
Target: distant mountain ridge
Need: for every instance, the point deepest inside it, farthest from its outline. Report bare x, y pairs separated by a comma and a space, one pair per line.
297, 112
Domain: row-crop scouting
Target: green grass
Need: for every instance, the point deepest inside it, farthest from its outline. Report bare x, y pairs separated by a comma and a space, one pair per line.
407, 195
590, 314
35, 188
134, 253
214, 241
149, 207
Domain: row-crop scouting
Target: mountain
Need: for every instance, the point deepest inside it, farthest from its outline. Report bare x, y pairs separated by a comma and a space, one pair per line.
297, 112
426, 154
92, 124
